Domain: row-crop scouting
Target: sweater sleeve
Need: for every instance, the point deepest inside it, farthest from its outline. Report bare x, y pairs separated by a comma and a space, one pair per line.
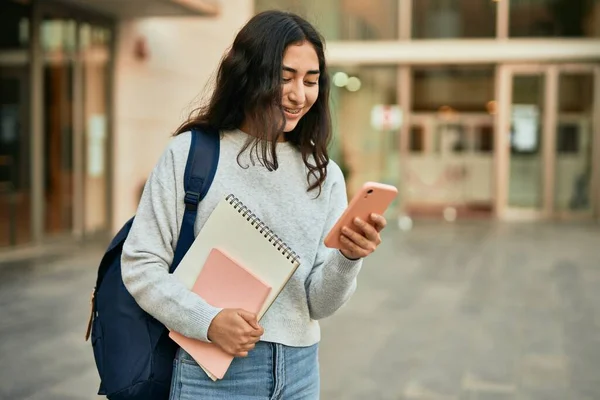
149, 250
333, 278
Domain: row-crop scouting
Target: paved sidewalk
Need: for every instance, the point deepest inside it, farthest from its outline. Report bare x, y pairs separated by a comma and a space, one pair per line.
447, 311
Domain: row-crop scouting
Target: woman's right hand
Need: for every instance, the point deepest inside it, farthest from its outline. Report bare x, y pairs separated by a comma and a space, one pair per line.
236, 331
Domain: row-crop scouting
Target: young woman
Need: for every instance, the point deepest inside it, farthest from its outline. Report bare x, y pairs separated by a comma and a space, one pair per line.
270, 104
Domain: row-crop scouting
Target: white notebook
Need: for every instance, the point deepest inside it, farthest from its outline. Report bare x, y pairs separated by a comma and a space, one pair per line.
235, 229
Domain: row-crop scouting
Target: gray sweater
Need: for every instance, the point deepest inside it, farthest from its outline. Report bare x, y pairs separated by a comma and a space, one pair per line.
324, 281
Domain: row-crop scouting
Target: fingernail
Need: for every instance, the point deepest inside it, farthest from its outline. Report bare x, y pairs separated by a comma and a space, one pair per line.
357, 220
345, 230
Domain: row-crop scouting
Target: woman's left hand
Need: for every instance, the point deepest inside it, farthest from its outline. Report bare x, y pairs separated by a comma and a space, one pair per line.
360, 244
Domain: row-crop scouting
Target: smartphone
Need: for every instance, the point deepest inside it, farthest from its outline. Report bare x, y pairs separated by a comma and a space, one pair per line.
373, 197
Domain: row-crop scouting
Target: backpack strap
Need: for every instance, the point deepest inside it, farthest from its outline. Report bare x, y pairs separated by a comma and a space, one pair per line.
200, 169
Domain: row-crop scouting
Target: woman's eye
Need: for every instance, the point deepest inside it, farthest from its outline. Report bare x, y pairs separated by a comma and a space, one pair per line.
286, 80
310, 83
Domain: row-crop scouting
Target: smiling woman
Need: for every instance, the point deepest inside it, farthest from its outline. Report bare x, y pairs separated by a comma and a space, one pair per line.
273, 85
300, 82
271, 92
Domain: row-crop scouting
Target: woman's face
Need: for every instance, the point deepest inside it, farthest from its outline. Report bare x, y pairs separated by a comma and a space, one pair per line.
300, 82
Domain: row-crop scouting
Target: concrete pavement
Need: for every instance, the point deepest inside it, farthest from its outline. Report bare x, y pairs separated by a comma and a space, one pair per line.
447, 311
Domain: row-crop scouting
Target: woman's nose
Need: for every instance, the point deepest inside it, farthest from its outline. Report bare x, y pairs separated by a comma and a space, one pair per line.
297, 94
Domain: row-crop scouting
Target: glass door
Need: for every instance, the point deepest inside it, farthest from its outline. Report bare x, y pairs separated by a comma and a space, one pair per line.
551, 162
526, 166
58, 42
575, 141
76, 63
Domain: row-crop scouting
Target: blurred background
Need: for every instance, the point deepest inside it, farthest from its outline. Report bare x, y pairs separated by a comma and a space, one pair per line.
474, 108
484, 113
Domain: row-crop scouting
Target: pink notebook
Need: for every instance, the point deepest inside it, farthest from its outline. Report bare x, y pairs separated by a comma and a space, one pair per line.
223, 283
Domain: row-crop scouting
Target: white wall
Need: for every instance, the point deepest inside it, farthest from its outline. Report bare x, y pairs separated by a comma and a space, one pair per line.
154, 95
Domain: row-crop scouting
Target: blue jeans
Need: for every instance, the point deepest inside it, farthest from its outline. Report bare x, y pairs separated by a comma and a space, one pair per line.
271, 371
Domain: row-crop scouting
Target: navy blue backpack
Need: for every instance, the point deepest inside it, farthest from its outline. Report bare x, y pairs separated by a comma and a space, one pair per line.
133, 352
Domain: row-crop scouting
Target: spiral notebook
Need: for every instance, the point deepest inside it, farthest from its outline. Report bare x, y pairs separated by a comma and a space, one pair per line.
224, 283
236, 230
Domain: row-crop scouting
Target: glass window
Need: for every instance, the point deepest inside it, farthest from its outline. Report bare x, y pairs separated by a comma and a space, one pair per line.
343, 19
448, 89
527, 110
526, 163
484, 139
450, 138
368, 150
58, 35
416, 143
58, 42
567, 138
454, 19
14, 30
15, 183
455, 106
554, 18
574, 142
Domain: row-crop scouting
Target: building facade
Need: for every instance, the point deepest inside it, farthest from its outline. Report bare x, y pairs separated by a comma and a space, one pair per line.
473, 108
91, 92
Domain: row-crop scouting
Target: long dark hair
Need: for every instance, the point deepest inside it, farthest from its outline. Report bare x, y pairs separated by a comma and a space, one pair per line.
249, 87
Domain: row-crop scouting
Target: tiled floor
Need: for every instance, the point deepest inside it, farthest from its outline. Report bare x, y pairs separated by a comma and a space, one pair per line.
446, 311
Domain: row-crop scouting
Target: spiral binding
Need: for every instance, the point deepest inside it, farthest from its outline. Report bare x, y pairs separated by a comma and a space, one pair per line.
263, 229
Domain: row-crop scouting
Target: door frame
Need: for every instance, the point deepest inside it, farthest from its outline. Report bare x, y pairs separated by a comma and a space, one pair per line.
551, 74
